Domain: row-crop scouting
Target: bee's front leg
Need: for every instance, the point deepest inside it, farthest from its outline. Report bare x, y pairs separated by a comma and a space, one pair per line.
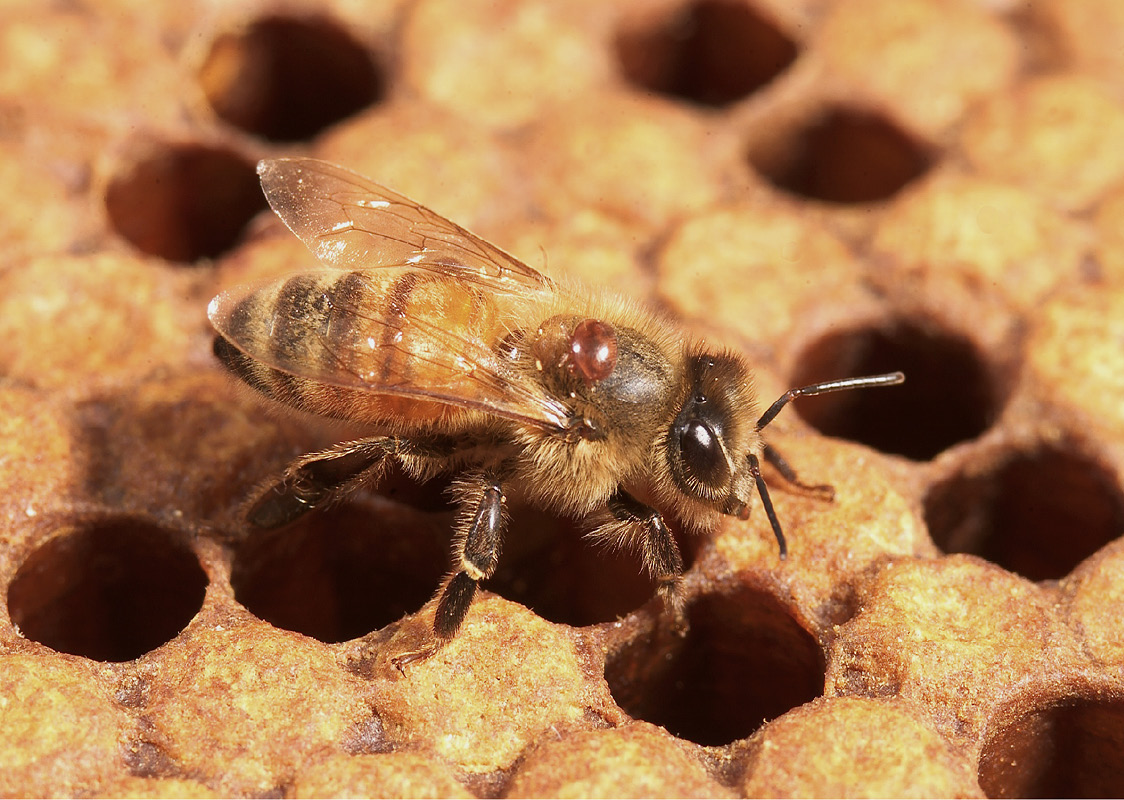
318, 479
657, 547
476, 551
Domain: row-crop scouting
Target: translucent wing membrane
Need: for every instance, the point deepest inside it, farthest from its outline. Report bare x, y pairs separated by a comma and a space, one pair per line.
349, 222
391, 331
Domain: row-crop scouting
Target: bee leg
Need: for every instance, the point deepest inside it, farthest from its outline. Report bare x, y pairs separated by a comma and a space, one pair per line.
658, 550
476, 551
319, 478
781, 465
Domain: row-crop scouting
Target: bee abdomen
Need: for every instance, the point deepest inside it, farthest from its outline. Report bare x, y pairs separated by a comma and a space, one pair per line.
366, 346
270, 337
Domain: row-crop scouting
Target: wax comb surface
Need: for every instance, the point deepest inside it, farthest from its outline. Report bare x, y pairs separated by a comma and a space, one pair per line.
831, 189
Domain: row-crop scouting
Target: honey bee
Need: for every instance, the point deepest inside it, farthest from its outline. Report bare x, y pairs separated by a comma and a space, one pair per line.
460, 358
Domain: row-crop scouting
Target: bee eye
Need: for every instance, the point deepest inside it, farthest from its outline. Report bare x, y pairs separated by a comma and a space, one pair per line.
703, 458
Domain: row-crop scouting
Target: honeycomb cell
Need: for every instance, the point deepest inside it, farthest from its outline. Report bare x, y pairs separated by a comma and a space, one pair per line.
1070, 747
1057, 135
140, 441
1079, 35
844, 156
402, 775
47, 168
34, 429
958, 636
628, 157
744, 659
1037, 513
61, 732
978, 233
548, 566
243, 707
473, 187
706, 52
183, 202
929, 60
1096, 604
886, 749
342, 573
59, 59
98, 317
502, 62
483, 719
745, 268
1074, 354
948, 396
833, 544
288, 78
636, 760
108, 588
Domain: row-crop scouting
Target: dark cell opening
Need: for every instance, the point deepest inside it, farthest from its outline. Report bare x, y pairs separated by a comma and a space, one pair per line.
110, 590
744, 661
287, 78
844, 156
948, 396
1038, 514
550, 567
184, 202
711, 52
1073, 749
341, 573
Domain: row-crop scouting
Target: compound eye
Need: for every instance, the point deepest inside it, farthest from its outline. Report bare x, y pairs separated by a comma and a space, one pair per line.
703, 457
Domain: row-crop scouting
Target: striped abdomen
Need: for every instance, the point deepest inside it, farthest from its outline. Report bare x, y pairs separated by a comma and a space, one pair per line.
386, 345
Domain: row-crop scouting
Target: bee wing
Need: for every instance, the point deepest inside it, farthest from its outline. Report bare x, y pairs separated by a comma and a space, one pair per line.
397, 332
349, 222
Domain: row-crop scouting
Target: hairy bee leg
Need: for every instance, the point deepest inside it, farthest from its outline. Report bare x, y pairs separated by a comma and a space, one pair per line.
319, 478
658, 550
780, 464
476, 552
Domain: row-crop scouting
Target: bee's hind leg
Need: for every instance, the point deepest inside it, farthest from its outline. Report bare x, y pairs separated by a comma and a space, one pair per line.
318, 479
476, 551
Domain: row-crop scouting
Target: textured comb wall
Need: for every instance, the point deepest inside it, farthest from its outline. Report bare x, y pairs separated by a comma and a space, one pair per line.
835, 188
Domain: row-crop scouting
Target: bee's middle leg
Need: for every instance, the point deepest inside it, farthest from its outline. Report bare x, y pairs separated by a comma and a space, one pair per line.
476, 551
658, 550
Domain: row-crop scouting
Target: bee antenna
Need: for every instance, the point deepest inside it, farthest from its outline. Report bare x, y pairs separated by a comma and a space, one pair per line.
887, 379
763, 493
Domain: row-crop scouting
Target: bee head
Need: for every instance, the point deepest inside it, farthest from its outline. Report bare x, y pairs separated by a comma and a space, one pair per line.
713, 432
714, 444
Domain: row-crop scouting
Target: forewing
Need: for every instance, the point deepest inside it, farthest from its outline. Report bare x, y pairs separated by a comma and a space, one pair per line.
349, 222
392, 332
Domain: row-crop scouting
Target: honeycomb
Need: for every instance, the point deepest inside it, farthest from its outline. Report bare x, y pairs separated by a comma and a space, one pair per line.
834, 187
